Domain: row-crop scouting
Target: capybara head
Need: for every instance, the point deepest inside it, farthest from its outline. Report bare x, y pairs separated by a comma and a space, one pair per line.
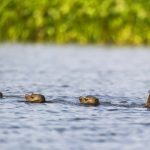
35, 98
89, 100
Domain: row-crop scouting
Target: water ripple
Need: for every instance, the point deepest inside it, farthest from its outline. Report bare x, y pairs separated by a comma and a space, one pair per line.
63, 74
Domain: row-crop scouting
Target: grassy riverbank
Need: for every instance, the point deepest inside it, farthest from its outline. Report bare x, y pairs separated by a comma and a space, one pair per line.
79, 21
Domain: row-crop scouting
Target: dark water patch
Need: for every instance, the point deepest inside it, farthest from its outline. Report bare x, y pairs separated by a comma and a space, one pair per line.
132, 105
80, 119
144, 124
14, 96
65, 102
75, 128
105, 103
65, 86
148, 109
112, 109
60, 130
2, 140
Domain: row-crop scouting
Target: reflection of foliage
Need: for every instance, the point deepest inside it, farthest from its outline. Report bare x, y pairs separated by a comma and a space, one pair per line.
80, 21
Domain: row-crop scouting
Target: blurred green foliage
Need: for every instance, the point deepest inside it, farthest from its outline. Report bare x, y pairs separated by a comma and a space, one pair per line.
76, 21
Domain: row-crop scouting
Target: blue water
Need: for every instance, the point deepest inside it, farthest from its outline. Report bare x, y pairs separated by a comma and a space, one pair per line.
120, 77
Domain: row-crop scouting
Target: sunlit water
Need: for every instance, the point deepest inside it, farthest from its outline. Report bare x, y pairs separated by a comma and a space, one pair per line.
120, 77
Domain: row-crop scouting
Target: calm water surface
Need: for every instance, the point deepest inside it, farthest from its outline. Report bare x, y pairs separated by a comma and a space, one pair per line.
120, 77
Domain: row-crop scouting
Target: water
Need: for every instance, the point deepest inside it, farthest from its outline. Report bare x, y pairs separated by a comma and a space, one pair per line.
120, 77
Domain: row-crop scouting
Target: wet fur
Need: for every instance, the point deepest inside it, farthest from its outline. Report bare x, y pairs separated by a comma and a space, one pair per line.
148, 102
35, 98
1, 95
89, 100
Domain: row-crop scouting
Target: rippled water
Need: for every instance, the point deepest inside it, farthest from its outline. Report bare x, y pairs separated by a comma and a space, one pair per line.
120, 77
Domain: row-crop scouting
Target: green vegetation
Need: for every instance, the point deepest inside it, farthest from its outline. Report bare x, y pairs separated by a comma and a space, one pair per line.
76, 21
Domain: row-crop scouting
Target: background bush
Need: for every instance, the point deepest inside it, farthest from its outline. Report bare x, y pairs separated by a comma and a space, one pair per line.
76, 21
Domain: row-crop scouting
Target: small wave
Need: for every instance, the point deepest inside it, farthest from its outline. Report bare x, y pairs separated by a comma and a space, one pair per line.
122, 103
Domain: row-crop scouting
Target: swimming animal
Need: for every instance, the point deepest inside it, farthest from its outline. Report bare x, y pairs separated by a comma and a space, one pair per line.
35, 98
89, 100
1, 95
148, 101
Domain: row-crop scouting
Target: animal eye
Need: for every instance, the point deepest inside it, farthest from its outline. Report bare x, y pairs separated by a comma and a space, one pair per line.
86, 99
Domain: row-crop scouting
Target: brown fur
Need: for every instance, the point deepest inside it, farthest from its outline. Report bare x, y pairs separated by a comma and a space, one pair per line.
35, 98
148, 102
89, 100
